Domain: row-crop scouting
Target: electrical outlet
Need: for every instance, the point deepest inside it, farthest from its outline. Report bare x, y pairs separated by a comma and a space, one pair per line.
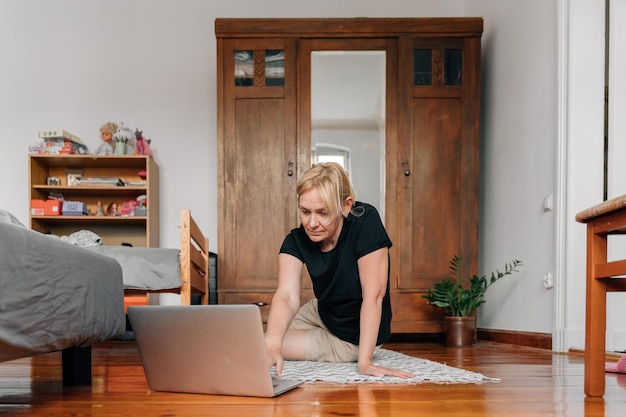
547, 281
548, 203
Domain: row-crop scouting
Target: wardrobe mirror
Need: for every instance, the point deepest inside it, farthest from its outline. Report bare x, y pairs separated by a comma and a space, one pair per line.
348, 117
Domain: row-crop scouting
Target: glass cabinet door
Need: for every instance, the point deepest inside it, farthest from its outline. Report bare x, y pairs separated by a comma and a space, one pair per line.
437, 66
259, 67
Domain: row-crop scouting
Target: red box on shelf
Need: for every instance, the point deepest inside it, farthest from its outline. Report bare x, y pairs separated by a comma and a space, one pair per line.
45, 208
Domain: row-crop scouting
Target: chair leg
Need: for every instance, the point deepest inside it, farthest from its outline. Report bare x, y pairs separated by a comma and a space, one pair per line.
595, 343
595, 317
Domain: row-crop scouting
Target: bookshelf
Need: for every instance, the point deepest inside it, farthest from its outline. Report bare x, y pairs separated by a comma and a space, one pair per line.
139, 230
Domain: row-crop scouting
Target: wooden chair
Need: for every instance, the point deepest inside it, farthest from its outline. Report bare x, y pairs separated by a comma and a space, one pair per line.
603, 220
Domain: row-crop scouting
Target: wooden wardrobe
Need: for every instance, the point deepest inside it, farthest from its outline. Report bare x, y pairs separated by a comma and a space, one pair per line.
431, 148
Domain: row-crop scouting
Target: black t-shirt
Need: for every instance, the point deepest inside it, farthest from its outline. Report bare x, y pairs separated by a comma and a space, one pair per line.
335, 274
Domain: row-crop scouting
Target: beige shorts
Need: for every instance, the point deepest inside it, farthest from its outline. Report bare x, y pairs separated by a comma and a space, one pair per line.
321, 344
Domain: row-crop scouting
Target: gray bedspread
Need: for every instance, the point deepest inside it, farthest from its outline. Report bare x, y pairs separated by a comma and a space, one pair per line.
145, 268
54, 295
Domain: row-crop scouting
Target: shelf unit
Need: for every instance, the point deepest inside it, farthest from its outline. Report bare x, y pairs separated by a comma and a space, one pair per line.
142, 231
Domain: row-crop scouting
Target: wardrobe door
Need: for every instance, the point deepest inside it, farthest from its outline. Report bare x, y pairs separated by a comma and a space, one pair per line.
257, 157
438, 157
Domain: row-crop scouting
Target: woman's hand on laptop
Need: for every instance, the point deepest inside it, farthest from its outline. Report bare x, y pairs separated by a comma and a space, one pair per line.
275, 358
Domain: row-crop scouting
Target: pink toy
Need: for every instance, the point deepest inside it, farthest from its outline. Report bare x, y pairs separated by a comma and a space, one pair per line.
143, 144
619, 367
128, 208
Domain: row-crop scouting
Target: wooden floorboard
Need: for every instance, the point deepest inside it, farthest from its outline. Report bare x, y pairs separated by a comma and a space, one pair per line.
533, 382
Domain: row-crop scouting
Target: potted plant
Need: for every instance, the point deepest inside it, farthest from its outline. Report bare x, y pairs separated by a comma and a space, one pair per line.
460, 301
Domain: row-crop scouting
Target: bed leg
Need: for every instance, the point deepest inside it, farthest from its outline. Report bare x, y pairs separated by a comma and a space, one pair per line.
76, 363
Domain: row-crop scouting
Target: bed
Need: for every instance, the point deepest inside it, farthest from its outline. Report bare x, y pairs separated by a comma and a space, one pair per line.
184, 271
57, 296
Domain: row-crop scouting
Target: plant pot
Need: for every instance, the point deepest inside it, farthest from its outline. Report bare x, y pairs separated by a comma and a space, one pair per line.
460, 331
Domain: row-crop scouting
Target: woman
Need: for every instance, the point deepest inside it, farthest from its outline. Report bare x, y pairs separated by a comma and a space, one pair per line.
345, 248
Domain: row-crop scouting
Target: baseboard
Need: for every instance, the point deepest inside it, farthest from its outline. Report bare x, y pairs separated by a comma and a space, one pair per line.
536, 340
608, 357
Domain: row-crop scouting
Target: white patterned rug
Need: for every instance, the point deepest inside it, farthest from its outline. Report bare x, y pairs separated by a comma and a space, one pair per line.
347, 373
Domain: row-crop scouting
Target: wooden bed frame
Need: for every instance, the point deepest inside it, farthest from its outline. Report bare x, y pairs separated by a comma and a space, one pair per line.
194, 266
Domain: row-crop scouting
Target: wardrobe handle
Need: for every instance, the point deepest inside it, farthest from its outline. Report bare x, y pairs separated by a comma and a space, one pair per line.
407, 172
290, 169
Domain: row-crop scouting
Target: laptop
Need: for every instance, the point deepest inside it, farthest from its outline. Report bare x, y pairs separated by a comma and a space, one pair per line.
205, 349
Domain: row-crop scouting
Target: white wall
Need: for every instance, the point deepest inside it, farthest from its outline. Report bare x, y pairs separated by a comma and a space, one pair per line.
74, 65
585, 144
617, 149
517, 160
543, 125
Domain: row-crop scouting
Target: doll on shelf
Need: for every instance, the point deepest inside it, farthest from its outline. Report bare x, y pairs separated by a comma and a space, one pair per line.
107, 131
112, 210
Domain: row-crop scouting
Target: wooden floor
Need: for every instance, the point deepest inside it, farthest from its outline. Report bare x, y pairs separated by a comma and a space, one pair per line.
533, 382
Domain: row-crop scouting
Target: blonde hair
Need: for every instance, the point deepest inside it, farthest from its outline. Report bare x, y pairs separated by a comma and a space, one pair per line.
333, 184
109, 127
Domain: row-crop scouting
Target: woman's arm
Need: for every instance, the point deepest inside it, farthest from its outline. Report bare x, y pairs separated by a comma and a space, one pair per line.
373, 270
284, 306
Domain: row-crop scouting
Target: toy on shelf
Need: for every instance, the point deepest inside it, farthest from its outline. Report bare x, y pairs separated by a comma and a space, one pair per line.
143, 144
141, 209
120, 140
107, 131
112, 210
